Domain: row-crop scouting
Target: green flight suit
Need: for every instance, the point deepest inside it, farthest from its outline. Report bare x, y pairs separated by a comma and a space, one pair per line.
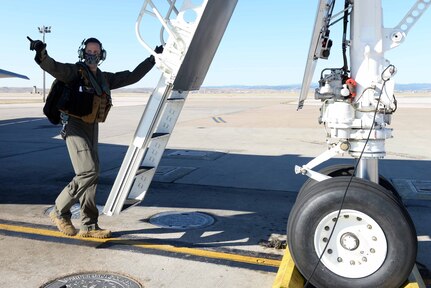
82, 138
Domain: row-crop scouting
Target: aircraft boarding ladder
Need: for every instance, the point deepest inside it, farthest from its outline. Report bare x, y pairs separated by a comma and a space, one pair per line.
194, 33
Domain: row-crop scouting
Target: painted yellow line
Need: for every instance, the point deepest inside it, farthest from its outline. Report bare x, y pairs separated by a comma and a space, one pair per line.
161, 247
29, 230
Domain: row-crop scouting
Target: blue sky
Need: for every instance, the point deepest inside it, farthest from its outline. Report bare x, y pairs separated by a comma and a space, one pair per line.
266, 42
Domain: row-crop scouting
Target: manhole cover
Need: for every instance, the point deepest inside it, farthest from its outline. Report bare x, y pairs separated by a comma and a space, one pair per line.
94, 280
75, 210
182, 220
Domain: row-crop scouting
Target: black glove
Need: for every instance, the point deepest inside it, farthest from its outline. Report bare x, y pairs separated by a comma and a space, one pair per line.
159, 49
36, 45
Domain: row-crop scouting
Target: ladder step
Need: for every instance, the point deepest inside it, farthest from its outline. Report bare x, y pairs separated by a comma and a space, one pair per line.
140, 185
143, 169
175, 99
141, 182
129, 203
159, 135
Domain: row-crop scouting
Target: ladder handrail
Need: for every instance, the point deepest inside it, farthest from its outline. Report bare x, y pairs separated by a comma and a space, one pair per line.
172, 7
163, 21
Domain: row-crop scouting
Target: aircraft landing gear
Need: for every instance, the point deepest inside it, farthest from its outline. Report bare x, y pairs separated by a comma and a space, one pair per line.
373, 243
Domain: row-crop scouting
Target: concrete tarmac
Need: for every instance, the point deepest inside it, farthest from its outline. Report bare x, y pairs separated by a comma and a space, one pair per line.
230, 158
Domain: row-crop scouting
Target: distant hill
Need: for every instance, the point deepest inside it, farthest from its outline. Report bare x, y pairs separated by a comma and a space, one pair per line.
413, 87
297, 87
16, 89
292, 87
417, 87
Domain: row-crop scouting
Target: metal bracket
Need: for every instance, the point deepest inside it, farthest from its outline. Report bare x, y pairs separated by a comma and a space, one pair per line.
395, 36
340, 148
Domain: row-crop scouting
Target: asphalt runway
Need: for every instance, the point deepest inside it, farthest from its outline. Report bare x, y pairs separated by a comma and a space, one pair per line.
231, 158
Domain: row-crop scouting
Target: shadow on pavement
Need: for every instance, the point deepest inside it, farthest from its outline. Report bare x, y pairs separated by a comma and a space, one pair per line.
259, 189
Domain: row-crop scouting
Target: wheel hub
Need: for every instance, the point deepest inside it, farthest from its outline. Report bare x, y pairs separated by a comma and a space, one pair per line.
357, 247
349, 241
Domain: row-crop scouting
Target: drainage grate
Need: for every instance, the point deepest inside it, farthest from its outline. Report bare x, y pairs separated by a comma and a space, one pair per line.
193, 154
75, 210
171, 173
94, 280
182, 220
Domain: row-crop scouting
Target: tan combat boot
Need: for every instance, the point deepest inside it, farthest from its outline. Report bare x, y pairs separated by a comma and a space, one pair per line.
95, 233
64, 225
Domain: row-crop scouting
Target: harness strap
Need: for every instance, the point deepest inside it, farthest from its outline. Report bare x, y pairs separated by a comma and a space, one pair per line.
64, 121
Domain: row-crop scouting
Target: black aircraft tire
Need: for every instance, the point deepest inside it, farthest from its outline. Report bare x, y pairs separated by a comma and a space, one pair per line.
378, 237
344, 170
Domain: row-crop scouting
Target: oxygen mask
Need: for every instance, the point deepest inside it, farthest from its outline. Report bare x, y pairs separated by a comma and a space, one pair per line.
92, 59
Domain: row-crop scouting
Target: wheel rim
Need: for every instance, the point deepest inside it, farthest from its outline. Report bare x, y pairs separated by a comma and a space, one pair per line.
358, 246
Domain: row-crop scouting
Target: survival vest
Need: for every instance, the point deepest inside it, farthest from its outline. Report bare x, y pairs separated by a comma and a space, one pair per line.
82, 99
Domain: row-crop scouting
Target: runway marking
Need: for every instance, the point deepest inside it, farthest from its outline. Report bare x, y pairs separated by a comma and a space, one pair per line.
161, 247
218, 120
19, 122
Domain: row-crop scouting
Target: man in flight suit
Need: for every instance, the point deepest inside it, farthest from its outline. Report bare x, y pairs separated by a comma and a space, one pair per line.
87, 105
